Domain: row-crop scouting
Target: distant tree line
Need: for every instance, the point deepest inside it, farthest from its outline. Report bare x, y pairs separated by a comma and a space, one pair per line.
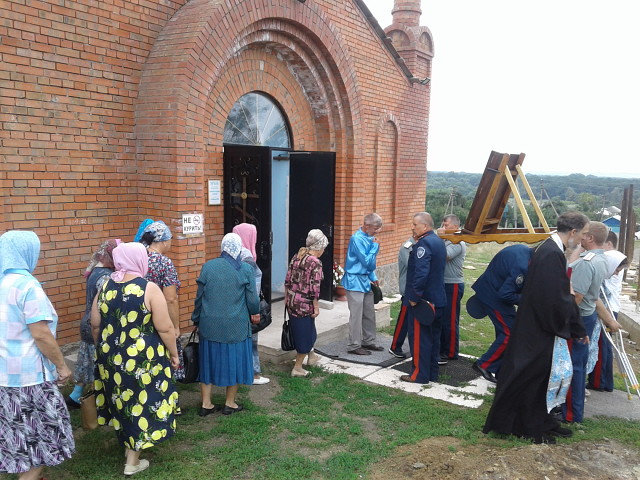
452, 191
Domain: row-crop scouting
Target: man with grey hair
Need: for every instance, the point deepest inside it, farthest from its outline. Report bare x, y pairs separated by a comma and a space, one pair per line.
359, 274
425, 299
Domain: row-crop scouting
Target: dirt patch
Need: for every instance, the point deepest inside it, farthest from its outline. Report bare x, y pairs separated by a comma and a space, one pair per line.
449, 459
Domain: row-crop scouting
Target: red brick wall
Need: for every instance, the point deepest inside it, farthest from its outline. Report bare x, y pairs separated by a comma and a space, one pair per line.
111, 113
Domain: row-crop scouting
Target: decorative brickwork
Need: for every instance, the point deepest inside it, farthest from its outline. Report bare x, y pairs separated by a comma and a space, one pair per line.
112, 112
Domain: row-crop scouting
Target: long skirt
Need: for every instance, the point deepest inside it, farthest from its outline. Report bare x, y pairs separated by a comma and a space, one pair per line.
226, 364
304, 333
35, 430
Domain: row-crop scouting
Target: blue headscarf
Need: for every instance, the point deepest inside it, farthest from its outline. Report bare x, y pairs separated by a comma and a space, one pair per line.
19, 250
145, 223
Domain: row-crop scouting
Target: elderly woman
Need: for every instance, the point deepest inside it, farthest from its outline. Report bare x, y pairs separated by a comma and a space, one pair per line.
157, 238
34, 422
248, 234
135, 350
97, 272
225, 301
302, 291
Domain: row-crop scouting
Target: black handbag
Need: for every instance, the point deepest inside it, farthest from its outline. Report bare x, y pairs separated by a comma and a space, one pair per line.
286, 343
265, 316
377, 293
190, 359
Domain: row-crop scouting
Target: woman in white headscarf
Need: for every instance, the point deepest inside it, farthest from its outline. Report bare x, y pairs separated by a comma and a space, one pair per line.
225, 301
34, 421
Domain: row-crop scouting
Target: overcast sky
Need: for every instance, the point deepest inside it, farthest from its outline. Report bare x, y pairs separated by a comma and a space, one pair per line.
556, 79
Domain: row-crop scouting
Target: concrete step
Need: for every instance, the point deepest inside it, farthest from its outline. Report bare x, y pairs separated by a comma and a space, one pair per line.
332, 324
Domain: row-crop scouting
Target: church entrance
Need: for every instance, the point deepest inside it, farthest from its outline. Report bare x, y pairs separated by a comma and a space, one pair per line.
282, 192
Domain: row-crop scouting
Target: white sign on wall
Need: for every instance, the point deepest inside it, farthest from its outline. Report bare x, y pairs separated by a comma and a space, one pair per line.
214, 192
192, 223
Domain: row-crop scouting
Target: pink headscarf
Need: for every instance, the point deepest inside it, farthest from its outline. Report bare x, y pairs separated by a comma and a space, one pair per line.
131, 258
249, 235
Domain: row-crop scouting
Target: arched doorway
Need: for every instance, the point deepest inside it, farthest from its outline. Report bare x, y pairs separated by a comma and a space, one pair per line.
283, 192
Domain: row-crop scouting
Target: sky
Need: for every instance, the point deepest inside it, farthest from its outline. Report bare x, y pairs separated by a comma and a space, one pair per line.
556, 79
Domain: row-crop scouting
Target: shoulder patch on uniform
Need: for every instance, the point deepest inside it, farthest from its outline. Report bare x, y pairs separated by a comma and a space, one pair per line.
589, 256
420, 252
520, 280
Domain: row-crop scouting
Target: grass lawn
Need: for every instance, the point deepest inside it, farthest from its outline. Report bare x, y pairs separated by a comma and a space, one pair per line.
328, 426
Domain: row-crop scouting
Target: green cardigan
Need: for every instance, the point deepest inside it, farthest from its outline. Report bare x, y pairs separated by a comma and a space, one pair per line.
226, 298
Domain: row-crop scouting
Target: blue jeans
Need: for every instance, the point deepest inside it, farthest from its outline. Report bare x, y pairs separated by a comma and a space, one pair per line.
573, 409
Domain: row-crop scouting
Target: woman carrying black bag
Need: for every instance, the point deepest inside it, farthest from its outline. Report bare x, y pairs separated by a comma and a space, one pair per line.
302, 291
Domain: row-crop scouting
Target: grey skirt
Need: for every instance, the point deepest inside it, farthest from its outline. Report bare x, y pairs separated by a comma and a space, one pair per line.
35, 429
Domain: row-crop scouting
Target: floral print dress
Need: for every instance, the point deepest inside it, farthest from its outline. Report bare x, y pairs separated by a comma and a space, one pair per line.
134, 390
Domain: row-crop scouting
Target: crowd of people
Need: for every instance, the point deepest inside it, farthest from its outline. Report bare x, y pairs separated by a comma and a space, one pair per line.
544, 303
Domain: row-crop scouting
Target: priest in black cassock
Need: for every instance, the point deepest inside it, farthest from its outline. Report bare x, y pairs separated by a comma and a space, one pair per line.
547, 309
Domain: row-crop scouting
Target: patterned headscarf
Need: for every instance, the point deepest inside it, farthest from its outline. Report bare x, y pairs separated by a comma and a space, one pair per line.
232, 245
19, 249
161, 232
249, 235
102, 255
131, 258
145, 223
316, 240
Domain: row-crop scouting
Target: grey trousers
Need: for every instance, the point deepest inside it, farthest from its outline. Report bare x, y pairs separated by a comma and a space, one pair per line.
362, 319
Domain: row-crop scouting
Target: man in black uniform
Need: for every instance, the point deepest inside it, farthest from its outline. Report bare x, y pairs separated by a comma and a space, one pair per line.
425, 299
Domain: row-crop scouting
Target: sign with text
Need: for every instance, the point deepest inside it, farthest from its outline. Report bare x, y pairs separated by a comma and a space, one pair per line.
192, 223
214, 192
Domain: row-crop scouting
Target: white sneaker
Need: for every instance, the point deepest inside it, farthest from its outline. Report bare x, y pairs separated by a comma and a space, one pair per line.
261, 381
587, 392
133, 469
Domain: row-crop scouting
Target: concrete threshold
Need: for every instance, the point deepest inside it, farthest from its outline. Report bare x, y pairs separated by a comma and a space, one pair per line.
332, 325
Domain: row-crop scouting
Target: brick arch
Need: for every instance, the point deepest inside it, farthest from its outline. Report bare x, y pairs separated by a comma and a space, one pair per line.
185, 95
177, 104
386, 168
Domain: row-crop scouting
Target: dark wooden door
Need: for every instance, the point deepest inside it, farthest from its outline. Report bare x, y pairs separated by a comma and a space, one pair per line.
311, 205
247, 199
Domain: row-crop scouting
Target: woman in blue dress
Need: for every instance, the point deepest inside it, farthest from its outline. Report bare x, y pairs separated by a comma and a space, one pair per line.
225, 301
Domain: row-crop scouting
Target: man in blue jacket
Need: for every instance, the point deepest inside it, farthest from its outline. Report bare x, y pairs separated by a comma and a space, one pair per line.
497, 292
425, 298
359, 274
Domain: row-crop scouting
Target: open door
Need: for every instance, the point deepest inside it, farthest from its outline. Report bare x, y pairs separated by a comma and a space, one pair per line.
311, 205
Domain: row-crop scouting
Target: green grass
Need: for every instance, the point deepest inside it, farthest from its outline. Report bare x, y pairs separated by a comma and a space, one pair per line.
328, 426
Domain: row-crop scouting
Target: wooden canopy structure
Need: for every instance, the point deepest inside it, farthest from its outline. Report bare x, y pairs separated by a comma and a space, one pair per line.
497, 184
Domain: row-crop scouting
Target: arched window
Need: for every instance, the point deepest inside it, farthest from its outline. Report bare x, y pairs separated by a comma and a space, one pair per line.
255, 119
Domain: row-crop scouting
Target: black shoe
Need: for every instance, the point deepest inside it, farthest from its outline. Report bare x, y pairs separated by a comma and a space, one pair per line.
443, 361
591, 387
485, 373
359, 351
399, 354
71, 403
227, 410
559, 431
544, 438
206, 411
375, 348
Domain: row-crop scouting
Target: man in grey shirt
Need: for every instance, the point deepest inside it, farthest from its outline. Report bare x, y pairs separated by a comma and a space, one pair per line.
454, 287
400, 332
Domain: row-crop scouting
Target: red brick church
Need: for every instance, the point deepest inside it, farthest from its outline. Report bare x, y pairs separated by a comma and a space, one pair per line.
289, 114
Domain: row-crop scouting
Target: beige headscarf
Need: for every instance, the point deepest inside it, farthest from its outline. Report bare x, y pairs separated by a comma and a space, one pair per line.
316, 240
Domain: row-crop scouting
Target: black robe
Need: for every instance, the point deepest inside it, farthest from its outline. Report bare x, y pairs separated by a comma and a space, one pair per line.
547, 309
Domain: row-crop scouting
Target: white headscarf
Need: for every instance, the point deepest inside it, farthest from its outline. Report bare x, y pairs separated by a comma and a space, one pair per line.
232, 244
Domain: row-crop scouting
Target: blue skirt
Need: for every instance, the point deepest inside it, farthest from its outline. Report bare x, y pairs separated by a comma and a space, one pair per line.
226, 364
304, 333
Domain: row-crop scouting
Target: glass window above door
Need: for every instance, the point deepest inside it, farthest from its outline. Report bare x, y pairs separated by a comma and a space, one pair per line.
255, 119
